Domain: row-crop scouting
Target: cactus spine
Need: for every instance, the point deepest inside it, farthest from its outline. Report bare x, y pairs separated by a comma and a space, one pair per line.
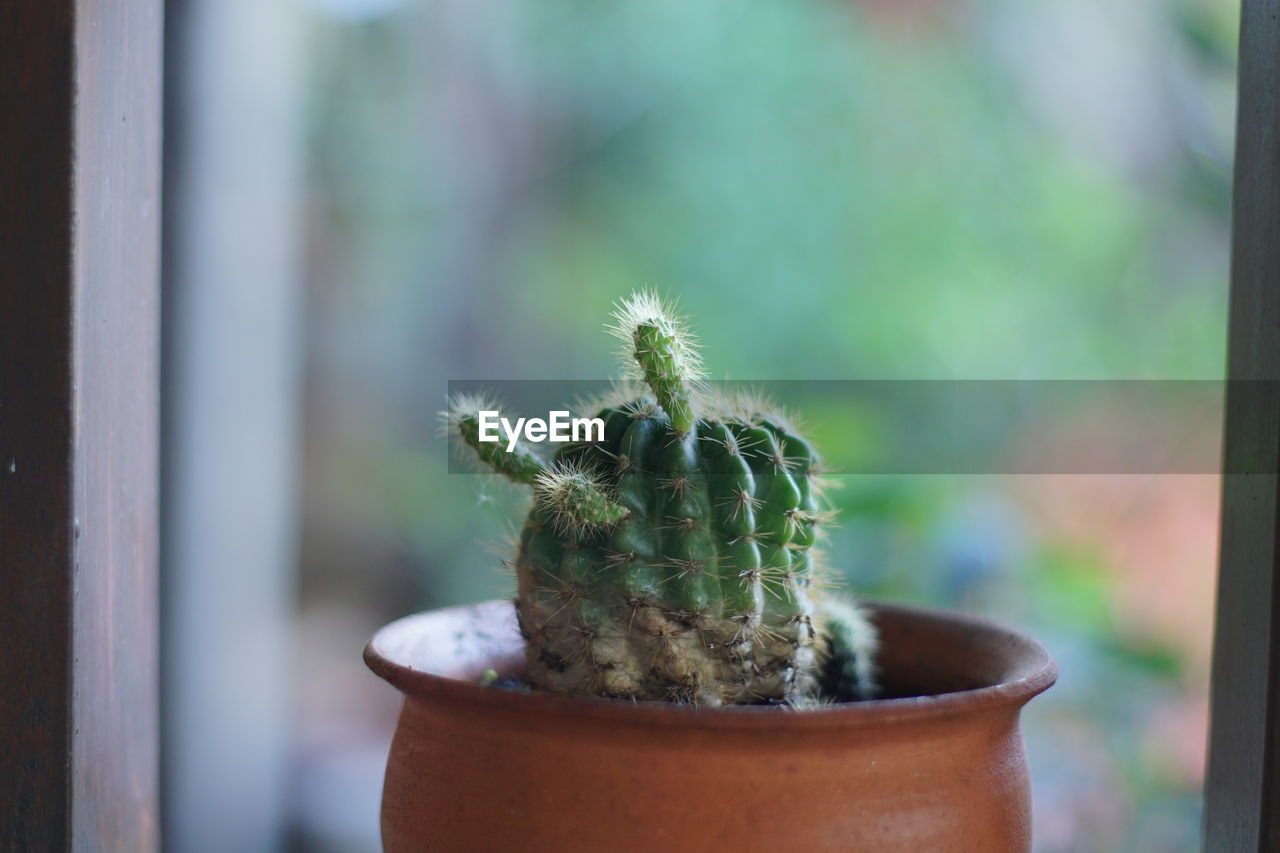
675, 560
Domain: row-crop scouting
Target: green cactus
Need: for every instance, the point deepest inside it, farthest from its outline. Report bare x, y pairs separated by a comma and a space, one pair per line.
675, 559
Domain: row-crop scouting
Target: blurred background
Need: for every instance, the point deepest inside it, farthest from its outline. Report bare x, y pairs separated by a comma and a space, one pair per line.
369, 198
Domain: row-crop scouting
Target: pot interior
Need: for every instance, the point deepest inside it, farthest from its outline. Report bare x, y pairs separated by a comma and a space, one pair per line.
923, 653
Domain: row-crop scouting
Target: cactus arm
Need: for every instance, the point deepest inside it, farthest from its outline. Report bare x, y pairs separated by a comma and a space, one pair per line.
664, 353
655, 353
850, 642
521, 465
575, 499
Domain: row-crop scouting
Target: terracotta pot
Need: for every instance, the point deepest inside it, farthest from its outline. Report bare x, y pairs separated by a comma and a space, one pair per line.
480, 768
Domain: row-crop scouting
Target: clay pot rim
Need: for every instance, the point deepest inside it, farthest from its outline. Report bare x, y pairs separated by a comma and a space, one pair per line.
1034, 673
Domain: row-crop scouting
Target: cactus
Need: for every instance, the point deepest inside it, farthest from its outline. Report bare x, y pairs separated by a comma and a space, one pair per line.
675, 559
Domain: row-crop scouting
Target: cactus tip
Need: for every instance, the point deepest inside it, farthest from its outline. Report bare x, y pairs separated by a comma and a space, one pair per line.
659, 349
464, 406
646, 308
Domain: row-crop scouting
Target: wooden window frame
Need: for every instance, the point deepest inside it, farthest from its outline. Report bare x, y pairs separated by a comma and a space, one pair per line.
80, 87
1242, 811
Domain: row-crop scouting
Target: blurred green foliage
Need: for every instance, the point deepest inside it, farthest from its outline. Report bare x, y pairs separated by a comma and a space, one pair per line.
992, 189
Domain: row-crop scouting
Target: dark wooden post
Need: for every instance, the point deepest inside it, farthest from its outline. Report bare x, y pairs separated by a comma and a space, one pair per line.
1241, 807
79, 306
